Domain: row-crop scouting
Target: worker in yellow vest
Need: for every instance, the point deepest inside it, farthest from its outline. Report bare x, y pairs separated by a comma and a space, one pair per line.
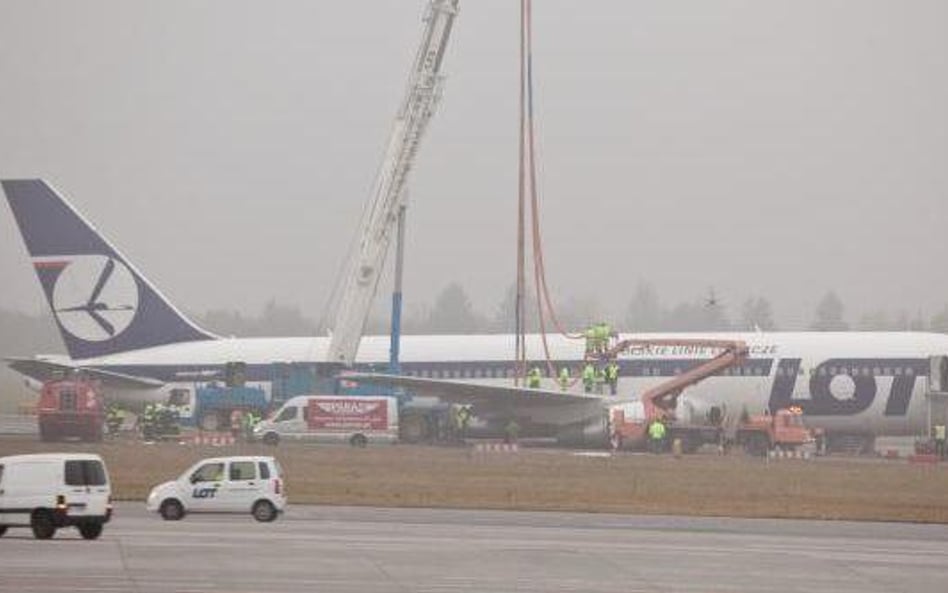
564, 378
612, 377
533, 378
656, 436
589, 377
591, 340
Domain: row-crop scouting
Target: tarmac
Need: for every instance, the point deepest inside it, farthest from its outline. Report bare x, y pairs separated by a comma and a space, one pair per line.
355, 549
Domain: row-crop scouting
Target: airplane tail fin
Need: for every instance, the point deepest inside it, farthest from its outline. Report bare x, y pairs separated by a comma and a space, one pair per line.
101, 303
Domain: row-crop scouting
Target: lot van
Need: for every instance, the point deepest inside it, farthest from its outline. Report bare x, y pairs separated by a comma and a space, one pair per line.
48, 491
356, 419
243, 484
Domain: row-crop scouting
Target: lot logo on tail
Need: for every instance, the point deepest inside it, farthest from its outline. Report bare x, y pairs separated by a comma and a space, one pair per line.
95, 297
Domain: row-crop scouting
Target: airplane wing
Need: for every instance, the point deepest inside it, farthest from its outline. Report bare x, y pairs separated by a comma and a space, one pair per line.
43, 370
482, 395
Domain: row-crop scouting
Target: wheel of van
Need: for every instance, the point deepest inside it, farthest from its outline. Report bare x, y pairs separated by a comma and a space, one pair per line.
264, 511
272, 439
42, 525
358, 440
171, 510
90, 530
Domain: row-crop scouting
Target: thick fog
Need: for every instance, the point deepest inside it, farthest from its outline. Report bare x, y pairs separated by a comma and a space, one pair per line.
764, 148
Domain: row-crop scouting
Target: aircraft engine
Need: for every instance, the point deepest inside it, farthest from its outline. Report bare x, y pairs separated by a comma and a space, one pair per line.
592, 433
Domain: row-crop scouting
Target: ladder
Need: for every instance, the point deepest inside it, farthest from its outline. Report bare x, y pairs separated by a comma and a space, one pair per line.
363, 269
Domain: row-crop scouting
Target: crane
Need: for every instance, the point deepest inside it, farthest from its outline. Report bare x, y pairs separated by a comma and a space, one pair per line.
359, 282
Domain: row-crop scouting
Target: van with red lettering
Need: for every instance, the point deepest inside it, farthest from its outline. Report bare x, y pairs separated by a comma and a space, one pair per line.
355, 419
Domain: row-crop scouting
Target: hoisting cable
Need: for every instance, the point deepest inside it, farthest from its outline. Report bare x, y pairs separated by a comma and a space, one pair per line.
520, 367
528, 178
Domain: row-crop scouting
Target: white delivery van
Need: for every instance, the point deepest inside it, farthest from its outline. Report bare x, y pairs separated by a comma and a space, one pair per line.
243, 484
356, 419
53, 490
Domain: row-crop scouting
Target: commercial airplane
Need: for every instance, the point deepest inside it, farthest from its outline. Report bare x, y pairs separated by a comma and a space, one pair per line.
117, 327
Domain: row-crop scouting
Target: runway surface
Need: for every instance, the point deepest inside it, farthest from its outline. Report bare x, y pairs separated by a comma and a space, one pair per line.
380, 550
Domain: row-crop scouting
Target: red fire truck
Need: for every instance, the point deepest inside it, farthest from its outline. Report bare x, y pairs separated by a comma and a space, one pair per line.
70, 407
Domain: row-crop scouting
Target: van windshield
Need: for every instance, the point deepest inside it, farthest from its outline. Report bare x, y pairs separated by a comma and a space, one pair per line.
85, 472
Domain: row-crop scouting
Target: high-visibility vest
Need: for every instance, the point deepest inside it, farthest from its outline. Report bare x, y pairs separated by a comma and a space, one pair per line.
564, 378
589, 374
533, 377
612, 372
656, 430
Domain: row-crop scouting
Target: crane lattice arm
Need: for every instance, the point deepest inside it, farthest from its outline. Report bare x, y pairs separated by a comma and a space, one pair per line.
360, 280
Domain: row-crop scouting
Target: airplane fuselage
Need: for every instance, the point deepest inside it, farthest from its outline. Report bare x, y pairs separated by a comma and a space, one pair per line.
867, 383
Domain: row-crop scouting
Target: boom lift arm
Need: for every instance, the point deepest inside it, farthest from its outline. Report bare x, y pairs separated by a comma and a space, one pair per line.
660, 400
360, 281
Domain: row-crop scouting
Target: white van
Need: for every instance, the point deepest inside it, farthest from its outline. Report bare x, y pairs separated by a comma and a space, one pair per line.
241, 484
356, 419
53, 490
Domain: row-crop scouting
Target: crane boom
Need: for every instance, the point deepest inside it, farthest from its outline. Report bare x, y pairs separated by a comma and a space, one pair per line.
363, 270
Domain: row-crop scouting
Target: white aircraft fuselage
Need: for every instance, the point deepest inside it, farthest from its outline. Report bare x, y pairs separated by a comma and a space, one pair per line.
853, 382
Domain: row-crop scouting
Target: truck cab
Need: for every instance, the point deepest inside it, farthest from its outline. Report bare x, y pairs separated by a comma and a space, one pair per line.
783, 430
70, 407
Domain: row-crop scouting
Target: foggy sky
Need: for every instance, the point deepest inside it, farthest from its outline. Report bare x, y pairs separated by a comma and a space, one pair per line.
774, 148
